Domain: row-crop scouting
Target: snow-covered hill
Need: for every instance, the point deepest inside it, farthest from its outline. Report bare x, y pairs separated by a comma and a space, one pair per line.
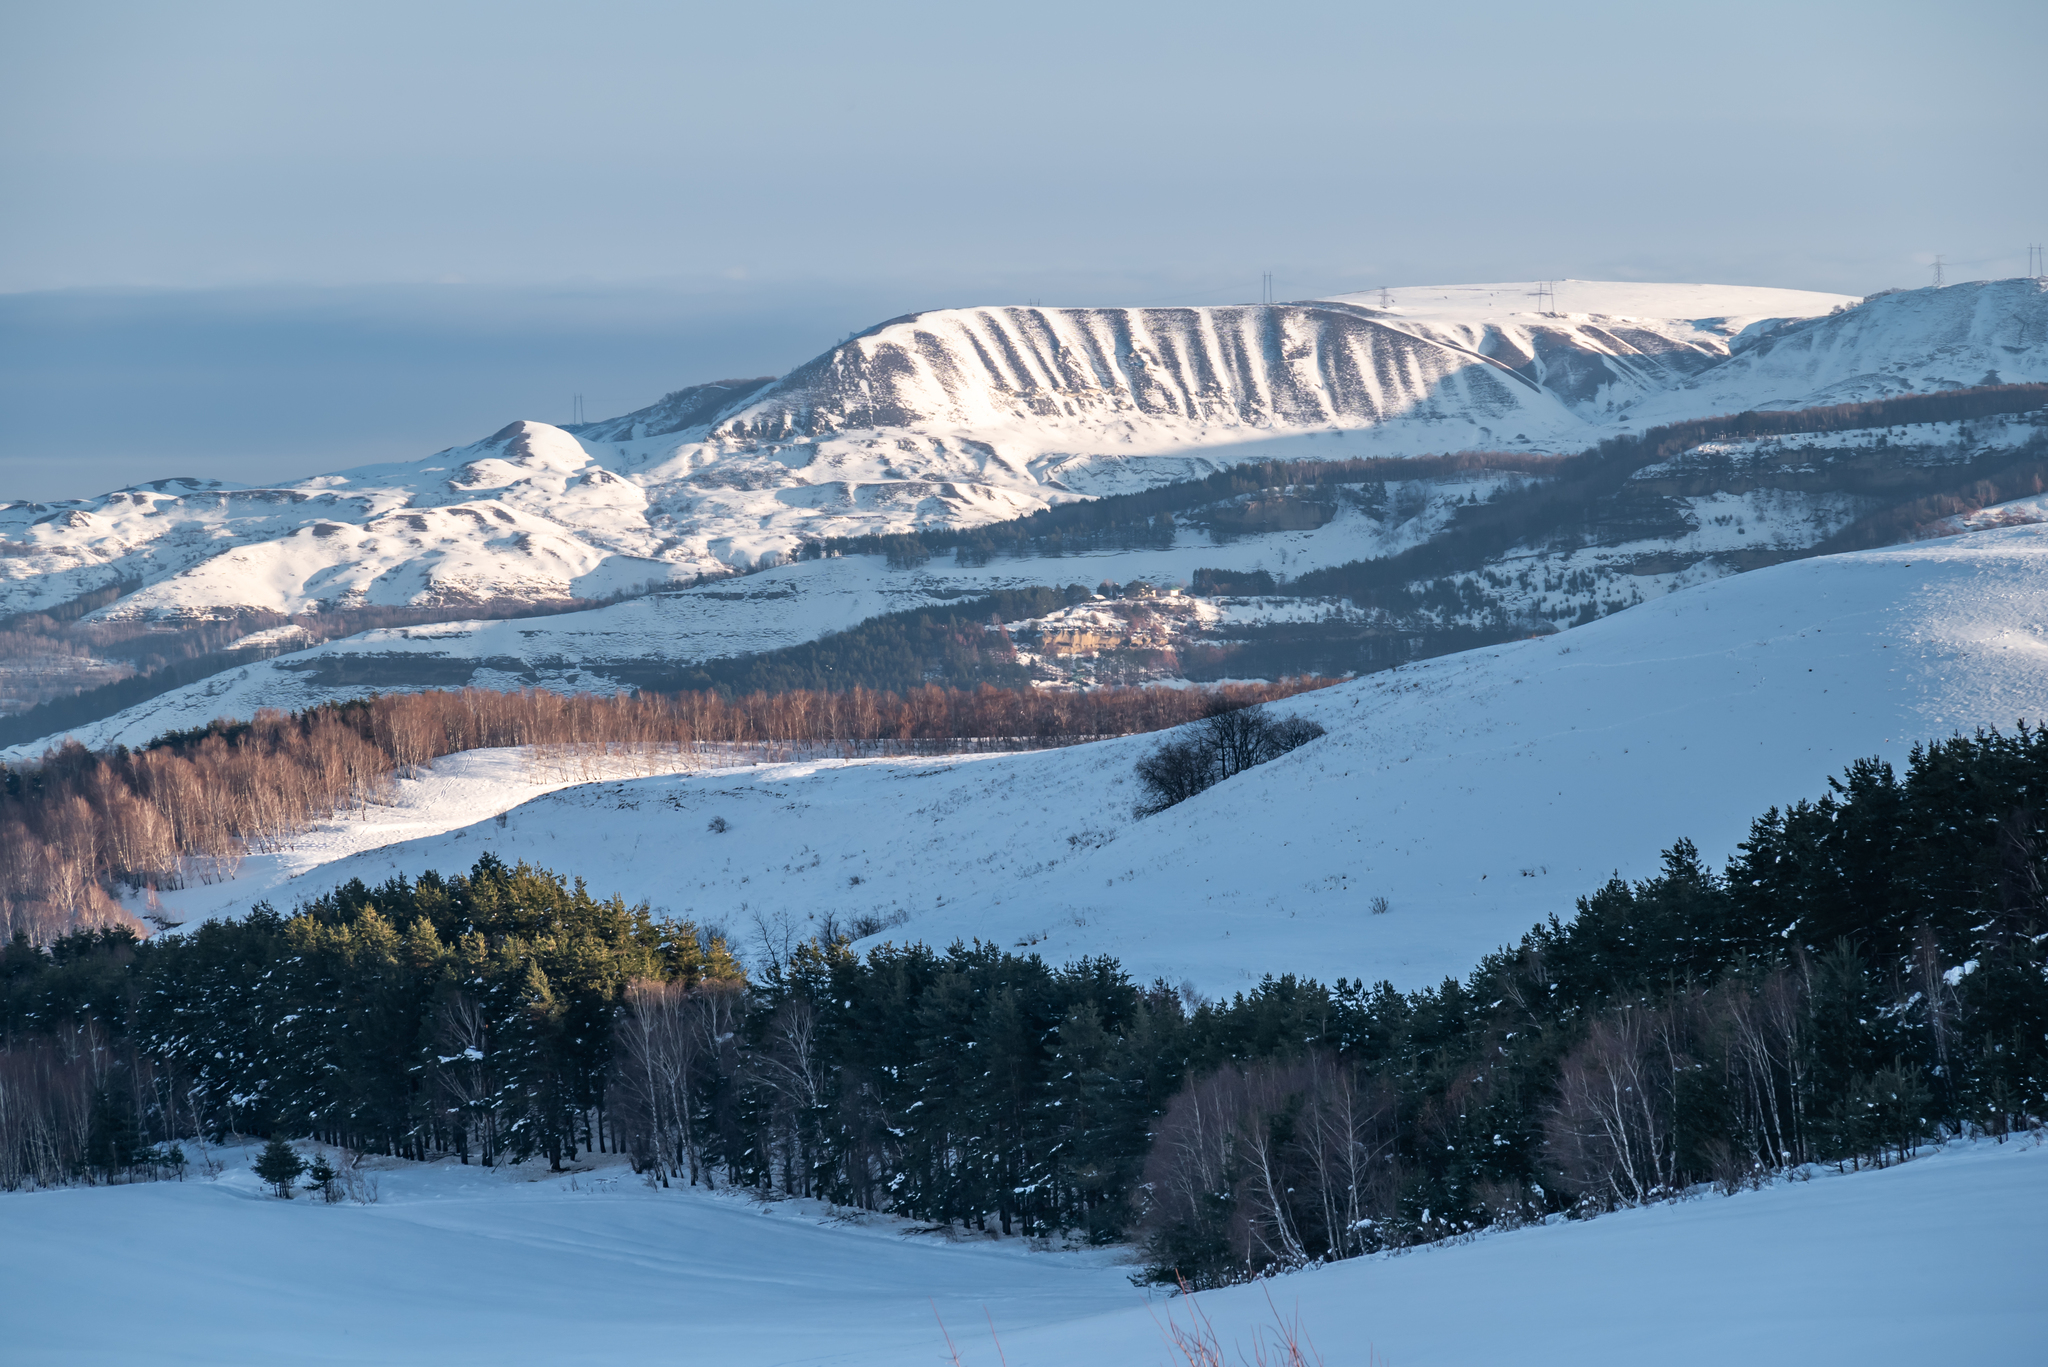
1908, 341
601, 650
1932, 1260
1477, 793
1597, 345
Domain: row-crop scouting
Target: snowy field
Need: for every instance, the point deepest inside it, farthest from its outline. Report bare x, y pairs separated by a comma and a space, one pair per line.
1936, 1260
1478, 793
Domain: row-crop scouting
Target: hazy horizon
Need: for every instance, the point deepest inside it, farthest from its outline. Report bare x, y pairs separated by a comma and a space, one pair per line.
249, 242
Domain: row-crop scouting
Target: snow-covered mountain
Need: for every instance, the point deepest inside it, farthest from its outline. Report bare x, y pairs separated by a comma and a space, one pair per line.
1716, 509
1597, 346
1900, 342
963, 417
958, 416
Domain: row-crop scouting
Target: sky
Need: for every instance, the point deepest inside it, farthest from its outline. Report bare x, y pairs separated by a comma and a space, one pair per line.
254, 241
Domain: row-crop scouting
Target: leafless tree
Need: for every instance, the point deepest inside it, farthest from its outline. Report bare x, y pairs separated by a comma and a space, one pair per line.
1610, 1129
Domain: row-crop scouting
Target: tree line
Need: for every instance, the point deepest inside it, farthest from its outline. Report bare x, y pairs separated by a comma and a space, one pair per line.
157, 656
1867, 973
471, 1015
1145, 518
958, 644
1558, 509
80, 829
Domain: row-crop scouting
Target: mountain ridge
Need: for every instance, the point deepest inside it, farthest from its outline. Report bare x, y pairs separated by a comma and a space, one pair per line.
995, 412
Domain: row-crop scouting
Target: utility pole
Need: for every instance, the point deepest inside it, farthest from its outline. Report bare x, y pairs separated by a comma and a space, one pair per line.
1937, 273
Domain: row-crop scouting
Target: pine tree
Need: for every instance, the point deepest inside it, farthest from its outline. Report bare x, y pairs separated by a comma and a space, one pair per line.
322, 1177
280, 1166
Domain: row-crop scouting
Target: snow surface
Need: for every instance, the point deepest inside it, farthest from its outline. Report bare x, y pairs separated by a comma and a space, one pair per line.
573, 651
1596, 345
456, 792
1934, 1260
1478, 793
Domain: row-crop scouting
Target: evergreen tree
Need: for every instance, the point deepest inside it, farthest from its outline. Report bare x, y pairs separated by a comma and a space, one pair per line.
322, 1177
280, 1165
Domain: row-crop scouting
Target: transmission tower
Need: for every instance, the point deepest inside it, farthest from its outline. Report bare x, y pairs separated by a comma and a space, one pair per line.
1386, 300
1937, 273
1546, 299
2037, 261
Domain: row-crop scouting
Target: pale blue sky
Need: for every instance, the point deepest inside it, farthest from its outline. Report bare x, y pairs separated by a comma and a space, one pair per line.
251, 240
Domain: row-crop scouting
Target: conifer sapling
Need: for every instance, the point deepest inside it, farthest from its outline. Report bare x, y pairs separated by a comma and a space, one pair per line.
280, 1166
322, 1177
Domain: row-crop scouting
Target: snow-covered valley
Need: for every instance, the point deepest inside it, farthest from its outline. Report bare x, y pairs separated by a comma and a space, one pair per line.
1577, 755
1716, 509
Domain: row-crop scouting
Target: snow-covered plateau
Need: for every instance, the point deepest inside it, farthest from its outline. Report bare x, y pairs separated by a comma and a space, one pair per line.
1935, 1259
1478, 793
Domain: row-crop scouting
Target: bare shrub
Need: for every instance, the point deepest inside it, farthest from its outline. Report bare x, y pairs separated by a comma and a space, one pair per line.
1232, 738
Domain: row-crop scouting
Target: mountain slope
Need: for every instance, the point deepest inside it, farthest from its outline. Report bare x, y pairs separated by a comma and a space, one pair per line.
1597, 345
1141, 379
1477, 793
1907, 341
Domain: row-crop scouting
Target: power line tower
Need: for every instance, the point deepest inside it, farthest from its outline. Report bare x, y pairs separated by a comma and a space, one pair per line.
2037, 261
1546, 299
1937, 273
1386, 299
576, 408
1266, 288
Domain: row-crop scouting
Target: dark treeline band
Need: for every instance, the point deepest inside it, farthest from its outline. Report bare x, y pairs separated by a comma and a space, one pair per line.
1867, 973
